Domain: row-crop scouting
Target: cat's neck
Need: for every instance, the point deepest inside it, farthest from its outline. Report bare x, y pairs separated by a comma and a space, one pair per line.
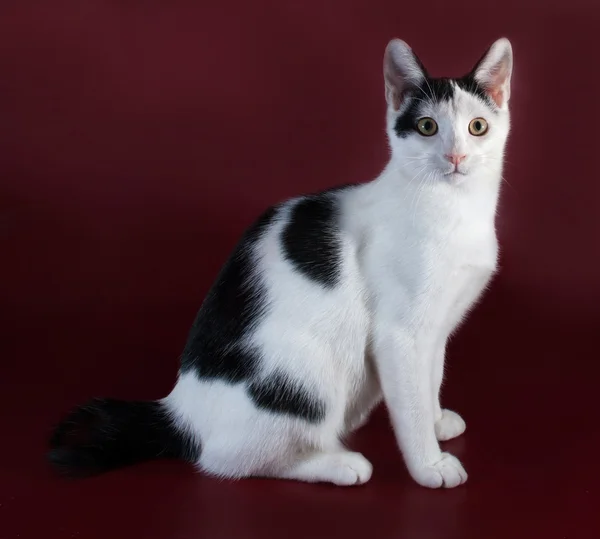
395, 197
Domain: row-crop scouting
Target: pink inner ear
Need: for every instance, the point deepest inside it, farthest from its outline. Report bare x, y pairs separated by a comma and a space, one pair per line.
395, 88
497, 96
496, 83
396, 97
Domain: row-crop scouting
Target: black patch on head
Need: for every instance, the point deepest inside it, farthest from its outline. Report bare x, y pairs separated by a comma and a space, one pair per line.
435, 90
438, 89
231, 309
406, 123
106, 434
279, 394
311, 239
469, 84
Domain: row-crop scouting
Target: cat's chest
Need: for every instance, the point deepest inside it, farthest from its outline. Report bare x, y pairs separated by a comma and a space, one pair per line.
466, 249
462, 235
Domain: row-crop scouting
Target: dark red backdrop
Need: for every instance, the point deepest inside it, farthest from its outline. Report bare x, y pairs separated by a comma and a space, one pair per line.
138, 138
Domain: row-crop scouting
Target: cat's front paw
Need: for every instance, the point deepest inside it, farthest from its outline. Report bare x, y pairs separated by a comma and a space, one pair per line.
449, 426
447, 472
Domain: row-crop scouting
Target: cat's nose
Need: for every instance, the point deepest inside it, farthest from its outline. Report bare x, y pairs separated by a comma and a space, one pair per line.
455, 158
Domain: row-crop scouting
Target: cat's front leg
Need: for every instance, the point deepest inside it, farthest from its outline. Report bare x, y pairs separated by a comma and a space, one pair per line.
407, 388
448, 424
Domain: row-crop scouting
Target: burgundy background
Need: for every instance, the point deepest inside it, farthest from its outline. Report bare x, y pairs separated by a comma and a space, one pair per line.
139, 137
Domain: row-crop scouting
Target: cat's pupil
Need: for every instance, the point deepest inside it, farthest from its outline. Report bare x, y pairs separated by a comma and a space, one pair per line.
427, 126
477, 126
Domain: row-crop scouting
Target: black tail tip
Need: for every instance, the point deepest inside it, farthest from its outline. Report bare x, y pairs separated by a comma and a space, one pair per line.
106, 434
72, 464
80, 444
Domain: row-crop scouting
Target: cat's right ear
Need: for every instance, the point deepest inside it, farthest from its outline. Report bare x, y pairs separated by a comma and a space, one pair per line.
402, 71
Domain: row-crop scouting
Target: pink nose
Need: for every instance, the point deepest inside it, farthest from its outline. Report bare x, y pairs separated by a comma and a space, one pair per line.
455, 158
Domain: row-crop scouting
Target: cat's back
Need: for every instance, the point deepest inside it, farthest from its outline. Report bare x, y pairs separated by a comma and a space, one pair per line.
293, 271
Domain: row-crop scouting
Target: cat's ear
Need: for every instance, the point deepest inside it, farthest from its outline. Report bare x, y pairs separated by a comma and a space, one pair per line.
402, 71
494, 70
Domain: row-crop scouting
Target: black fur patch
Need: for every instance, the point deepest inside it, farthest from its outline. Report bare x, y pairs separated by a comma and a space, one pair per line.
406, 123
469, 84
311, 240
231, 308
436, 90
234, 306
106, 434
278, 394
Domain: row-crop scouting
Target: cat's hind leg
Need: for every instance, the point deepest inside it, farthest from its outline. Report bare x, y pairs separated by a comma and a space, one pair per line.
259, 443
341, 467
274, 447
367, 399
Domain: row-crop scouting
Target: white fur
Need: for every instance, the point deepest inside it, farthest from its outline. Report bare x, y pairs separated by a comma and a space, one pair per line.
419, 247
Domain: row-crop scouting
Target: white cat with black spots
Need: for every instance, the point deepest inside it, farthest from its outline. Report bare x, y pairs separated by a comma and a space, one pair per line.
334, 302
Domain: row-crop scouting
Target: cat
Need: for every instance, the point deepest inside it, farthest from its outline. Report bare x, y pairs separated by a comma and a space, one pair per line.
333, 302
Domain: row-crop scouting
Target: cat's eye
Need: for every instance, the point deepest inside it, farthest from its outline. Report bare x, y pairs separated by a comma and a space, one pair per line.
478, 127
427, 127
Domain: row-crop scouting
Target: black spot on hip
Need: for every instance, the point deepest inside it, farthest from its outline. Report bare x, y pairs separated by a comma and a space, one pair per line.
278, 393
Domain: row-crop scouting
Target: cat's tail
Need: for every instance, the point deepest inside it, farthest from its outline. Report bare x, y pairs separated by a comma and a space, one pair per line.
105, 434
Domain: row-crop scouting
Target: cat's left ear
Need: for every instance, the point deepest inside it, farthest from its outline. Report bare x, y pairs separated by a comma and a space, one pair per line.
494, 70
402, 71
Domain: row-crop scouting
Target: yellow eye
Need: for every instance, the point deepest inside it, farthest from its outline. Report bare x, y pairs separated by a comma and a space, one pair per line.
427, 127
478, 127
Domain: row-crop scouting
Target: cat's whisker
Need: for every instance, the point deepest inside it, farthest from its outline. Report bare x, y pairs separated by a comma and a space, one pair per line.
427, 101
422, 91
420, 156
431, 90
414, 192
507, 182
502, 177
419, 171
500, 159
424, 184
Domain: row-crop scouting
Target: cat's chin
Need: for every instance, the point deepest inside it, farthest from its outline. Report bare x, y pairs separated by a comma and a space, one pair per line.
455, 177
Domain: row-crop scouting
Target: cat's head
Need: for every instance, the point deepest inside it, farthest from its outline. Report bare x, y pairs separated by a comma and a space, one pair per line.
447, 129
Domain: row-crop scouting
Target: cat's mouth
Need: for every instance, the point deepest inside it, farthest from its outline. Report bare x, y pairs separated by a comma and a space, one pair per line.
455, 176
455, 173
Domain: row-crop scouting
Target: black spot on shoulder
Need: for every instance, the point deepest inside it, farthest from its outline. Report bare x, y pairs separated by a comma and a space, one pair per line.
232, 307
279, 394
311, 239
